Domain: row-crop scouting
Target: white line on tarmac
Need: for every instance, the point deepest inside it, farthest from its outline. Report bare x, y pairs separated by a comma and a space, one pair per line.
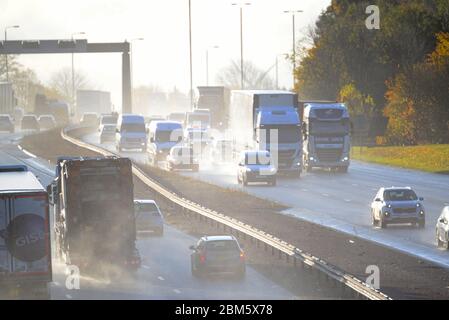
161, 278
177, 291
68, 296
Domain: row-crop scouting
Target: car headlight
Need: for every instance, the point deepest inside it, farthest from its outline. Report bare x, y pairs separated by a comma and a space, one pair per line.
389, 206
421, 212
312, 159
248, 169
418, 205
345, 159
272, 170
386, 213
298, 164
160, 151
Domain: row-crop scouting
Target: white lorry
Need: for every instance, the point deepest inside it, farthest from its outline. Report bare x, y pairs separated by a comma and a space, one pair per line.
25, 253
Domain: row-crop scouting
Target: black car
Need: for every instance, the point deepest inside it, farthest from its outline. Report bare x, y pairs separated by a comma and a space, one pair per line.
218, 254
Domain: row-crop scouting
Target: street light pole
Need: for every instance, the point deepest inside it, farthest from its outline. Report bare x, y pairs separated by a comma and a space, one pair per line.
293, 12
73, 68
207, 63
242, 76
6, 55
190, 49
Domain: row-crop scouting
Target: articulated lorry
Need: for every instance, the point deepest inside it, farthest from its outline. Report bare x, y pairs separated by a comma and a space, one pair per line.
257, 117
92, 201
216, 99
25, 252
326, 131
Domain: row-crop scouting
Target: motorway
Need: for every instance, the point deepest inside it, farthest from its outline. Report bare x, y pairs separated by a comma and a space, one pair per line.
165, 271
342, 201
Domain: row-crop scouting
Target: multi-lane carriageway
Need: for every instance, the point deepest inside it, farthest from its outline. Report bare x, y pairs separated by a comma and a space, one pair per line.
342, 201
165, 272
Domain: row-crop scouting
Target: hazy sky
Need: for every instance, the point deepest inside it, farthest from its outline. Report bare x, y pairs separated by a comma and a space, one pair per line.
163, 57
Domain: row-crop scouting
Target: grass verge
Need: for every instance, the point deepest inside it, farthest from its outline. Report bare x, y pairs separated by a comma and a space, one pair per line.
430, 158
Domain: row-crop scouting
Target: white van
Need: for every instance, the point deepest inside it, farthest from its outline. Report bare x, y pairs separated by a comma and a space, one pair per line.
131, 132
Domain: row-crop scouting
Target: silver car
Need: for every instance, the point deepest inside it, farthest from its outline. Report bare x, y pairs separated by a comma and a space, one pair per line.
217, 254
107, 133
255, 166
442, 229
397, 205
149, 219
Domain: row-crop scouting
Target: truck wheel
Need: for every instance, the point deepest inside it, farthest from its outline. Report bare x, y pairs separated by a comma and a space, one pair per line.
437, 240
383, 224
343, 169
373, 219
245, 181
238, 179
422, 224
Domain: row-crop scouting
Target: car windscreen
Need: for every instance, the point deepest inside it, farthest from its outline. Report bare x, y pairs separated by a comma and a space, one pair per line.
285, 134
259, 158
318, 127
108, 120
133, 127
108, 128
221, 245
168, 135
5, 119
400, 195
146, 207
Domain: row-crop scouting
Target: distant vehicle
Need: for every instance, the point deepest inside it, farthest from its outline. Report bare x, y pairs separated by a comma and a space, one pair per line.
8, 99
198, 138
182, 157
93, 208
255, 166
326, 131
198, 119
30, 122
47, 122
177, 116
258, 117
397, 205
61, 111
89, 119
149, 219
131, 132
215, 99
163, 135
442, 229
108, 119
150, 119
25, 252
18, 114
93, 101
217, 254
107, 133
6, 123
222, 151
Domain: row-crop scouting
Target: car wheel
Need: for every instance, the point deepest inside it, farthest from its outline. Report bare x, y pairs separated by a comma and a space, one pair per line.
245, 180
343, 169
273, 182
373, 219
383, 224
195, 271
437, 240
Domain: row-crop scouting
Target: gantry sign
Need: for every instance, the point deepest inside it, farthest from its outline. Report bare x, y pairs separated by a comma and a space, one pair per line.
77, 46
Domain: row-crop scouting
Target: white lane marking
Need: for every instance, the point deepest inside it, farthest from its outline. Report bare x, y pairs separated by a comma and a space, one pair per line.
56, 283
354, 184
161, 278
68, 296
177, 291
305, 190
351, 241
325, 194
347, 200
26, 152
145, 267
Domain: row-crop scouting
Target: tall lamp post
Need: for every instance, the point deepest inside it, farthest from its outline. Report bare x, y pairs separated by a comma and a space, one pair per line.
73, 67
6, 55
190, 54
293, 13
241, 5
207, 63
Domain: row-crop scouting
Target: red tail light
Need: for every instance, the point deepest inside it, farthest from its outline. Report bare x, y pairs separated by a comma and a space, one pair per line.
202, 258
242, 256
